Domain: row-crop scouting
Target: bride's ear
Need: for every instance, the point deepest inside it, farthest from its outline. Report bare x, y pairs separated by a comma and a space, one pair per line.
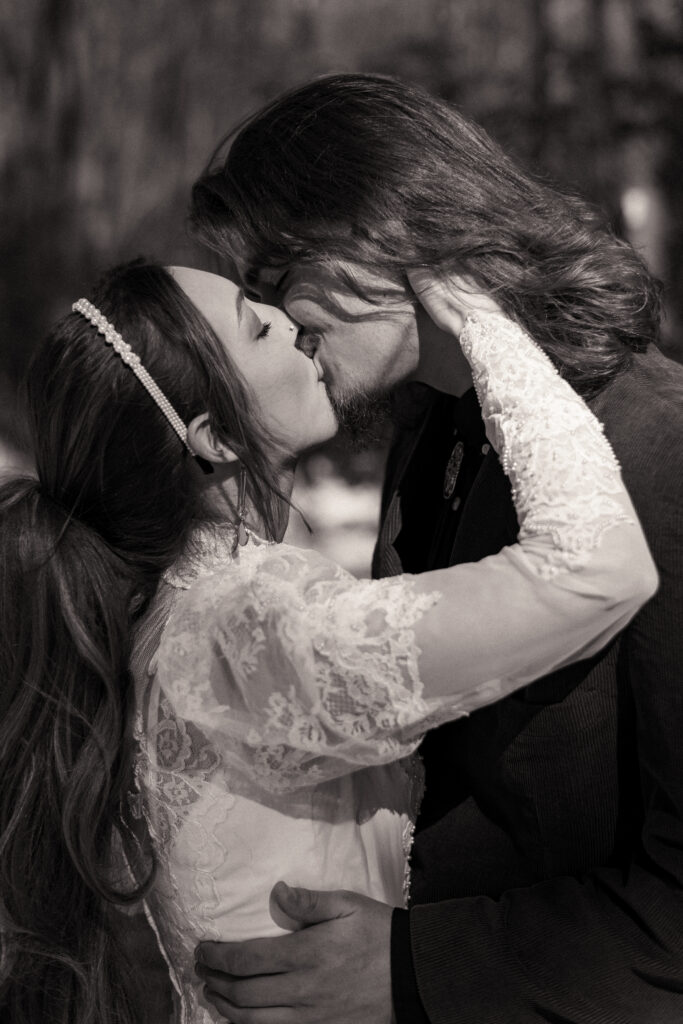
205, 445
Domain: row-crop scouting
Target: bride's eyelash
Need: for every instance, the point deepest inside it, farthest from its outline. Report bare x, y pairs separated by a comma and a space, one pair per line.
265, 330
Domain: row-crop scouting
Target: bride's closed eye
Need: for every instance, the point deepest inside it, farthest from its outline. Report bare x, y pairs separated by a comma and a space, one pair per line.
265, 330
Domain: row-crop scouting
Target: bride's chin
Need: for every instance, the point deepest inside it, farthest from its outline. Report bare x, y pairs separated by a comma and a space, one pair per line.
323, 433
329, 434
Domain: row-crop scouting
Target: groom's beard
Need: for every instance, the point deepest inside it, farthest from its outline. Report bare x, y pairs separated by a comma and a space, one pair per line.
362, 416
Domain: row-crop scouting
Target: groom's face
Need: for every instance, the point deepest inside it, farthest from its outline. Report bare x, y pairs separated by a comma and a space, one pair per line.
364, 345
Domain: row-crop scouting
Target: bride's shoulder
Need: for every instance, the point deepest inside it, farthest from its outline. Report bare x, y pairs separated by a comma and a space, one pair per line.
260, 577
303, 564
281, 561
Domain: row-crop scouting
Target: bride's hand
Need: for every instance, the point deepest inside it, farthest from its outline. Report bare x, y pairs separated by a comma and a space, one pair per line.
449, 298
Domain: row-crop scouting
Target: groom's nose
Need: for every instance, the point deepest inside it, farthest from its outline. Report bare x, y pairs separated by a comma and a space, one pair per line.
307, 343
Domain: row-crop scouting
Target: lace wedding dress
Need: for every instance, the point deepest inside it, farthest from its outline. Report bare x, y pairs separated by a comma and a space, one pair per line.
279, 699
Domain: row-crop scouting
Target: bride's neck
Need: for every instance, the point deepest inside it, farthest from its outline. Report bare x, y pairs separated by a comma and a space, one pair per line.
221, 496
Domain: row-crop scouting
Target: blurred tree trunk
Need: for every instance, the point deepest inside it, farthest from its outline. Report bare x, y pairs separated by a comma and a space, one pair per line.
540, 56
39, 178
664, 51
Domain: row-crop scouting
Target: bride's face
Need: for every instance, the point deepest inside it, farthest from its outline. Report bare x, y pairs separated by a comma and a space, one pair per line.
292, 399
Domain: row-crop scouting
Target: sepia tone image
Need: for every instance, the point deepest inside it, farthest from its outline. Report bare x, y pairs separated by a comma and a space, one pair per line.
341, 490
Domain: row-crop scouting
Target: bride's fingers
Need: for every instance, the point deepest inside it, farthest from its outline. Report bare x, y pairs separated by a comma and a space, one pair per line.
449, 298
437, 298
427, 280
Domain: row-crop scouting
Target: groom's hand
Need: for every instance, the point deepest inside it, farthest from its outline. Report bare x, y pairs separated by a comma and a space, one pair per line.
335, 970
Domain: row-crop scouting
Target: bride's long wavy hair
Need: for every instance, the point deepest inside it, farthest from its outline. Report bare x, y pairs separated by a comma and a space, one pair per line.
366, 169
81, 552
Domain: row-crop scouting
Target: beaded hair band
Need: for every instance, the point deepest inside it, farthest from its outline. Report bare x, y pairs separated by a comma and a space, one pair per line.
129, 357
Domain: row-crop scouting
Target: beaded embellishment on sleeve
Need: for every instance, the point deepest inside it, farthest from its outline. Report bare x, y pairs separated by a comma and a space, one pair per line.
554, 491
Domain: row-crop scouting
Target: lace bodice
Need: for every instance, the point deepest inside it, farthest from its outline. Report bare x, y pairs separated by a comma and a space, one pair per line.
279, 698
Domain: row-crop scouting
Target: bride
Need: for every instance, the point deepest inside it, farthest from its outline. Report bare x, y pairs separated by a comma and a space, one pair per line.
191, 709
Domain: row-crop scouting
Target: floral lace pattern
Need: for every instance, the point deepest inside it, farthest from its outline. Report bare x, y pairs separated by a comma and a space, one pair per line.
174, 793
563, 472
321, 665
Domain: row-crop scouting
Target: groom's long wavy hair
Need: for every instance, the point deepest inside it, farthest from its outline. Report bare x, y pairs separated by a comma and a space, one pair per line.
82, 549
366, 169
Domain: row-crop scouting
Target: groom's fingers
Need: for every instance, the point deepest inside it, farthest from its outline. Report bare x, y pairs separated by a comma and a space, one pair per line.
336, 971
262, 990
255, 956
247, 1015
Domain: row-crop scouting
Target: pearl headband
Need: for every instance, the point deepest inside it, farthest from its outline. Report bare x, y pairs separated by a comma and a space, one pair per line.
129, 357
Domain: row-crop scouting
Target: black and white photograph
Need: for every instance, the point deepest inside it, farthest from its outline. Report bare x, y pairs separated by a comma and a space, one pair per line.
341, 512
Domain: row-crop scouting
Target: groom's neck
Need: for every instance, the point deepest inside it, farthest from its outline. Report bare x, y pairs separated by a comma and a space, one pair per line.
449, 380
441, 363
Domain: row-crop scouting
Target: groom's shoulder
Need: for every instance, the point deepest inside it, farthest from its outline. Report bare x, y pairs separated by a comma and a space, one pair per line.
651, 385
643, 406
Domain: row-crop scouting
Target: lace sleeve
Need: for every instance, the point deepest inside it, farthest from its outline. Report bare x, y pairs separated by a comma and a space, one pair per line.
295, 670
580, 568
565, 478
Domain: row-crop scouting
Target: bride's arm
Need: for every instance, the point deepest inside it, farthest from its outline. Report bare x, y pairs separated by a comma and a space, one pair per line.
300, 673
580, 568
579, 571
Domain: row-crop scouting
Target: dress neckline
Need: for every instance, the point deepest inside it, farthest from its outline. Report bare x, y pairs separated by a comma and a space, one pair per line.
209, 547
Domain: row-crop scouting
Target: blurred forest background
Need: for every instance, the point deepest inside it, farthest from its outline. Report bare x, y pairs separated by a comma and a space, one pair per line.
110, 110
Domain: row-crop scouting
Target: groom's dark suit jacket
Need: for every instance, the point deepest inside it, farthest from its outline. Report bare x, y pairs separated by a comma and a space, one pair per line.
548, 864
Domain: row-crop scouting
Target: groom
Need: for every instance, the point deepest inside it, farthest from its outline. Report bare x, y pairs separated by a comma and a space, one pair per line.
548, 862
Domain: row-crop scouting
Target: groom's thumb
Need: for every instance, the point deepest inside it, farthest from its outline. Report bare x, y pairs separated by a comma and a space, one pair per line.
307, 906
